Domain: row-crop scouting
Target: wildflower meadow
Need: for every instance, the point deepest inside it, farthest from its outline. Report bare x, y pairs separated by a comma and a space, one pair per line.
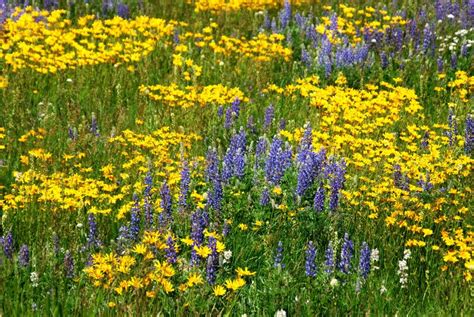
236, 158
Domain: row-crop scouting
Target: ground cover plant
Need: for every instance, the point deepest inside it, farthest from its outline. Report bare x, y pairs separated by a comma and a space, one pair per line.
241, 157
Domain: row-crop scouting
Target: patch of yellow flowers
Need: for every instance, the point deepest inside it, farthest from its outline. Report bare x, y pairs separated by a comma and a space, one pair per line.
47, 42
191, 96
235, 5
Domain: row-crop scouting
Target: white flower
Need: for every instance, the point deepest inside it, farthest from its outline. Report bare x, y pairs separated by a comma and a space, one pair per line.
374, 41
450, 16
280, 313
69, 80
227, 255
334, 282
383, 289
34, 278
79, 225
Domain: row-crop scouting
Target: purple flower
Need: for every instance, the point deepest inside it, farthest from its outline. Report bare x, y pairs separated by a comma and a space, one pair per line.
364, 261
212, 169
469, 135
279, 256
278, 161
24, 256
265, 197
171, 255
8, 245
260, 151
166, 202
198, 224
212, 262
234, 160
92, 240
454, 61
220, 111
338, 171
319, 199
184, 185
425, 140
135, 220
269, 115
94, 126
309, 170
305, 58
123, 11
329, 256
383, 60
347, 252
310, 265
68, 264
285, 15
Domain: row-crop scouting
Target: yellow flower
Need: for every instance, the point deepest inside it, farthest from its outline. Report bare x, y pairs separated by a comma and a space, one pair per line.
244, 272
235, 284
203, 251
194, 279
219, 290
111, 304
140, 249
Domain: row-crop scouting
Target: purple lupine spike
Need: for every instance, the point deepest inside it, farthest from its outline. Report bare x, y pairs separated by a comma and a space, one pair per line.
123, 10
279, 256
92, 239
400, 180
269, 115
220, 111
278, 161
56, 244
171, 255
428, 38
184, 185
282, 124
306, 144
24, 256
300, 20
319, 199
440, 65
267, 23
8, 245
229, 118
454, 61
310, 265
239, 163
384, 60
226, 228
329, 263
309, 170
236, 107
305, 58
334, 25
285, 15
216, 195
176, 37
166, 202
453, 127
134, 228
107, 6
347, 252
337, 183
260, 152
440, 9
364, 261
68, 264
212, 169
94, 126
265, 197
212, 262
469, 135
197, 233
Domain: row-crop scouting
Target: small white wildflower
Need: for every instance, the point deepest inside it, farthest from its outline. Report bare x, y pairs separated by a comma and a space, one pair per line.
221, 63
280, 313
79, 225
334, 282
450, 16
374, 41
34, 278
383, 289
227, 255
69, 80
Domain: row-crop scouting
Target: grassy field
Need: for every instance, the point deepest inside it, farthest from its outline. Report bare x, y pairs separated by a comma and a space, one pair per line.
258, 158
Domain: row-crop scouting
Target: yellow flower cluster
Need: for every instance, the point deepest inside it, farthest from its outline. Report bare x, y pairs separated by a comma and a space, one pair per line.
47, 42
191, 96
82, 187
365, 127
352, 20
140, 268
3, 82
462, 86
261, 48
235, 5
